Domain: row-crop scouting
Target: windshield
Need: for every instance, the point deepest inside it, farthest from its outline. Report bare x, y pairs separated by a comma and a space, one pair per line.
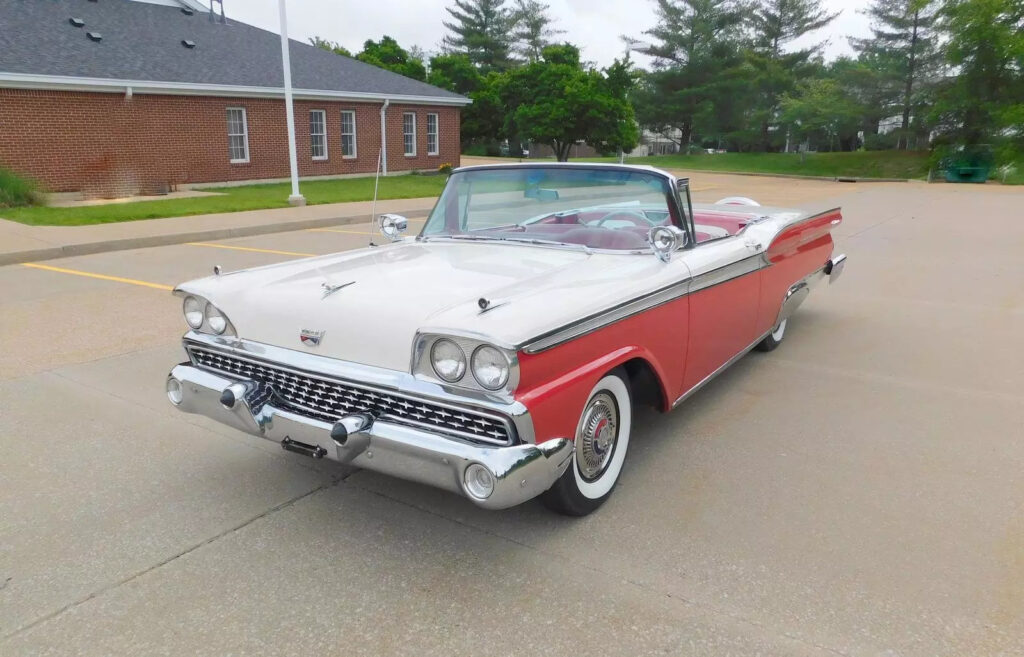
598, 208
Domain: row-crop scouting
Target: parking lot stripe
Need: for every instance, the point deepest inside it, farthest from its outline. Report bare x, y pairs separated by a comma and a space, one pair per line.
249, 248
102, 277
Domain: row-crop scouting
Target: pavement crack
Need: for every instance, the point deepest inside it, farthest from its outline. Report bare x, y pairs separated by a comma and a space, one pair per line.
110, 587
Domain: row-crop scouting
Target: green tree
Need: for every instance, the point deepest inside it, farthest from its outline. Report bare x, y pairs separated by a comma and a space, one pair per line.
387, 54
555, 101
903, 34
697, 43
330, 46
483, 30
775, 24
820, 108
985, 100
533, 31
454, 72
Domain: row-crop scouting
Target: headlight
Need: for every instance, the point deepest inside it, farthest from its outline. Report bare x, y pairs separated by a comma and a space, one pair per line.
193, 309
448, 360
217, 322
490, 367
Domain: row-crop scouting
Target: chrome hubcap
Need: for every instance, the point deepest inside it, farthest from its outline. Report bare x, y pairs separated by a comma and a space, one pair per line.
596, 442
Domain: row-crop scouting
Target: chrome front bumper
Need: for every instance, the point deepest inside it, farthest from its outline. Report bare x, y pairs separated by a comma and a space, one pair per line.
519, 472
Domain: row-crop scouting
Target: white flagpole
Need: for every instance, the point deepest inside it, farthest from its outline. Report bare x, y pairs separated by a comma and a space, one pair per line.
296, 198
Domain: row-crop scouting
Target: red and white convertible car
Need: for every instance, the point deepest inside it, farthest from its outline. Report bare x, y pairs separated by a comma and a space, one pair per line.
501, 352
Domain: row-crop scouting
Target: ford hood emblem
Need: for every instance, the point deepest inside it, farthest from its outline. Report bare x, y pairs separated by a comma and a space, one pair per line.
311, 338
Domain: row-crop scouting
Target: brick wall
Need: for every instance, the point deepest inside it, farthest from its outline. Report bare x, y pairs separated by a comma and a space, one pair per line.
106, 145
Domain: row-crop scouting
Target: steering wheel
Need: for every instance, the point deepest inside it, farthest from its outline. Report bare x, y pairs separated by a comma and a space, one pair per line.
636, 218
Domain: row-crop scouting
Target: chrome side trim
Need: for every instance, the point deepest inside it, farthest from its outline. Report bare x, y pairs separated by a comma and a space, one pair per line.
367, 376
726, 273
700, 384
605, 317
643, 303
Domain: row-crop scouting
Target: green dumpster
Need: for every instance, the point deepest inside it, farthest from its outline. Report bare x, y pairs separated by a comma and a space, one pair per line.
969, 165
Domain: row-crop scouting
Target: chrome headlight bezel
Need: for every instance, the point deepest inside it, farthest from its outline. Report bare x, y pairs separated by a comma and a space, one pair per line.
423, 368
205, 305
198, 308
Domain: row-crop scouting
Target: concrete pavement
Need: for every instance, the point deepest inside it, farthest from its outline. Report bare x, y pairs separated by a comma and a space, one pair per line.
858, 491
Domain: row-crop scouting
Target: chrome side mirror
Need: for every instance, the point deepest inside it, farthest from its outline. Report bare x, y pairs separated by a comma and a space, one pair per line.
392, 225
666, 239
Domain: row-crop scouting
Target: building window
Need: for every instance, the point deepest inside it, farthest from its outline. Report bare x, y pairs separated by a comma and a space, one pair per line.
409, 133
348, 134
318, 134
431, 134
238, 135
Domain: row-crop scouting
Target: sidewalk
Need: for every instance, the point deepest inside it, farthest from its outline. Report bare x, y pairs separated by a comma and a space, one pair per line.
21, 243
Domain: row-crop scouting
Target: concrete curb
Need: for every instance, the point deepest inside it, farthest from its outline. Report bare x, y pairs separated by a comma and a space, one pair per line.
799, 176
124, 244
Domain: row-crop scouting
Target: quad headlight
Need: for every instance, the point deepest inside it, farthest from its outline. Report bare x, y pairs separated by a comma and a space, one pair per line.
193, 309
203, 316
490, 367
466, 361
448, 360
215, 319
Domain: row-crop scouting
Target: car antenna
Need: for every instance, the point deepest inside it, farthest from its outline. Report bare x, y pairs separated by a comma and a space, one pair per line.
376, 182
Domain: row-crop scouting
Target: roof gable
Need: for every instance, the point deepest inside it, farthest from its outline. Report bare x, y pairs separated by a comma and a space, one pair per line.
143, 42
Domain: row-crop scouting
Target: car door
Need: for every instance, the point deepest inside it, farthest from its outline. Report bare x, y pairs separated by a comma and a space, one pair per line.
724, 295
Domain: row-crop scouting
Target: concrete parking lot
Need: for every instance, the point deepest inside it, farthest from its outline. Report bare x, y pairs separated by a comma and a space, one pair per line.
858, 491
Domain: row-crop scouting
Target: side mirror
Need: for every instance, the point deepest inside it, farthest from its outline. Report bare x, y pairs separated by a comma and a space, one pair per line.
392, 225
666, 239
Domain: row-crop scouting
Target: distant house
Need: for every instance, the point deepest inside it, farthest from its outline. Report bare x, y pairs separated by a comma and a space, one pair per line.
116, 97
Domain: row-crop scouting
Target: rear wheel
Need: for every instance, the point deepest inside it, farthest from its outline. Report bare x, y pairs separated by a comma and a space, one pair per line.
773, 339
602, 438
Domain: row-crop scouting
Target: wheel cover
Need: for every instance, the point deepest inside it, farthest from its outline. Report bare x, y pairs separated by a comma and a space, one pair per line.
599, 431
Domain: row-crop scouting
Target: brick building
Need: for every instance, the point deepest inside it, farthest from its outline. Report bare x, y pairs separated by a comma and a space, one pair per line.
117, 97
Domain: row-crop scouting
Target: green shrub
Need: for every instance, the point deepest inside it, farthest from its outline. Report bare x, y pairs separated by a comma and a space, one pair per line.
16, 191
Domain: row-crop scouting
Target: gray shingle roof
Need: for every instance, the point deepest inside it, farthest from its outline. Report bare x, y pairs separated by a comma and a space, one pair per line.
142, 42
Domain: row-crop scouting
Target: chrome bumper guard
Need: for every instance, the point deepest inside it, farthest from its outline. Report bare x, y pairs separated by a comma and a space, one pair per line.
518, 472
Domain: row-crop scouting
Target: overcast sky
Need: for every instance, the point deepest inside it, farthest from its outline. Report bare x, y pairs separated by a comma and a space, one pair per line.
594, 25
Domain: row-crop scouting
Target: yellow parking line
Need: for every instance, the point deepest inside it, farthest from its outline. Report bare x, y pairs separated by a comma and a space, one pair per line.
249, 248
102, 277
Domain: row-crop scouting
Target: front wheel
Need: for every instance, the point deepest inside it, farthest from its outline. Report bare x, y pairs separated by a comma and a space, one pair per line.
602, 438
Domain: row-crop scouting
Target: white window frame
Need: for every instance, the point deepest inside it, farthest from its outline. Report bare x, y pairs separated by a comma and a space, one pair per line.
436, 134
323, 124
244, 134
409, 153
355, 141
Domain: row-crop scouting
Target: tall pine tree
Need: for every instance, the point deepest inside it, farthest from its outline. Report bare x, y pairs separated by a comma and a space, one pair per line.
534, 29
903, 33
483, 30
775, 24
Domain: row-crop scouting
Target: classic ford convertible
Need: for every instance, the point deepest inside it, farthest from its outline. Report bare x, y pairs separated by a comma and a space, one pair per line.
501, 352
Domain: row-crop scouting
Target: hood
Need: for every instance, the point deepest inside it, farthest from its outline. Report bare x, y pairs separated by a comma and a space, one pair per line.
391, 292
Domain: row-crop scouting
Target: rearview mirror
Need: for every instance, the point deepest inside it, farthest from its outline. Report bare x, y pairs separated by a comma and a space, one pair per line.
666, 239
392, 225
541, 194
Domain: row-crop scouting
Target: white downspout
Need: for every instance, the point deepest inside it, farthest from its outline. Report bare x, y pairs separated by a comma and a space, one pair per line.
384, 137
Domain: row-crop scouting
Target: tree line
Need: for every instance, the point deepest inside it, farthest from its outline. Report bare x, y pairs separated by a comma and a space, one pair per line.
734, 74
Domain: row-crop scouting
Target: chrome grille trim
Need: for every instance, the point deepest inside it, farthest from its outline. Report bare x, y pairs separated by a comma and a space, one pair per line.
327, 399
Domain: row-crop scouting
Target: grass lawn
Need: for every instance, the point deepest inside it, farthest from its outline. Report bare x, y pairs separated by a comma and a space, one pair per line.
860, 164
234, 199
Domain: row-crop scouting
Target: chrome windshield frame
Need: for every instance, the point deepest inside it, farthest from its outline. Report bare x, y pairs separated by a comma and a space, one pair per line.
676, 211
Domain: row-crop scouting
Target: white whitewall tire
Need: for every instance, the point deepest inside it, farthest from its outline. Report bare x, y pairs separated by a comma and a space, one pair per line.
602, 441
773, 339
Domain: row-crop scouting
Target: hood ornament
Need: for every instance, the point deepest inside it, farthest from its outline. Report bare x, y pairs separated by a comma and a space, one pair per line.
331, 289
311, 338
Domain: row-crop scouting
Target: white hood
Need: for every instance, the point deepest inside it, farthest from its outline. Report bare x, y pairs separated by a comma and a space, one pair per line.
401, 288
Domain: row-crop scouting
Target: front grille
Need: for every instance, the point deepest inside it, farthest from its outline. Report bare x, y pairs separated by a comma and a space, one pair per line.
327, 400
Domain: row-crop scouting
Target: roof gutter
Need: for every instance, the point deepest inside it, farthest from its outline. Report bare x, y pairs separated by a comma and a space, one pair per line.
108, 85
